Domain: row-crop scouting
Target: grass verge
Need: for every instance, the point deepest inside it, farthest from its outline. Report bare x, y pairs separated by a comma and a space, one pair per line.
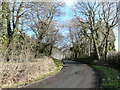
58, 63
58, 67
110, 77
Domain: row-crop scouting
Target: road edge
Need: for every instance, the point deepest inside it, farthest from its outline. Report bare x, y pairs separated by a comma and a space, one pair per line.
37, 79
51, 74
97, 76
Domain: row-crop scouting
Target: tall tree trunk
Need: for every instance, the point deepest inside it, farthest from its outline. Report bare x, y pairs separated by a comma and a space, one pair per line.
50, 52
106, 43
95, 48
9, 35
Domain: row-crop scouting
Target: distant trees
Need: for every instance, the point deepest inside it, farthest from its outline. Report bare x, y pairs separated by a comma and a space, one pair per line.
80, 39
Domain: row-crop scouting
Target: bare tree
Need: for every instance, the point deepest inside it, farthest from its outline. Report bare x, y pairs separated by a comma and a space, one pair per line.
79, 39
41, 17
92, 28
88, 20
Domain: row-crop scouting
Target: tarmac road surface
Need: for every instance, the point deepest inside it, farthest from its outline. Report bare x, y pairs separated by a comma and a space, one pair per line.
73, 75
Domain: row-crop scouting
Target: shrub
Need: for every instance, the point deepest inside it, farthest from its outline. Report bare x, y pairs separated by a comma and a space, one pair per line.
114, 60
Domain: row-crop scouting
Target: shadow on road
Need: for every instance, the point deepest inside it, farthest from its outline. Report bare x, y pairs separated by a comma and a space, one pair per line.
70, 62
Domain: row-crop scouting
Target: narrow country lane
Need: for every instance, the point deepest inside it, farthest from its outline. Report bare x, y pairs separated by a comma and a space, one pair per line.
73, 75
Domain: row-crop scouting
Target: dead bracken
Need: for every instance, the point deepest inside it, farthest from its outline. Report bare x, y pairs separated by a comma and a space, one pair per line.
12, 73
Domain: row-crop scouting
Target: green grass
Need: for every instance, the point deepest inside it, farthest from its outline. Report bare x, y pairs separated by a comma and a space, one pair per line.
110, 77
58, 63
59, 66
